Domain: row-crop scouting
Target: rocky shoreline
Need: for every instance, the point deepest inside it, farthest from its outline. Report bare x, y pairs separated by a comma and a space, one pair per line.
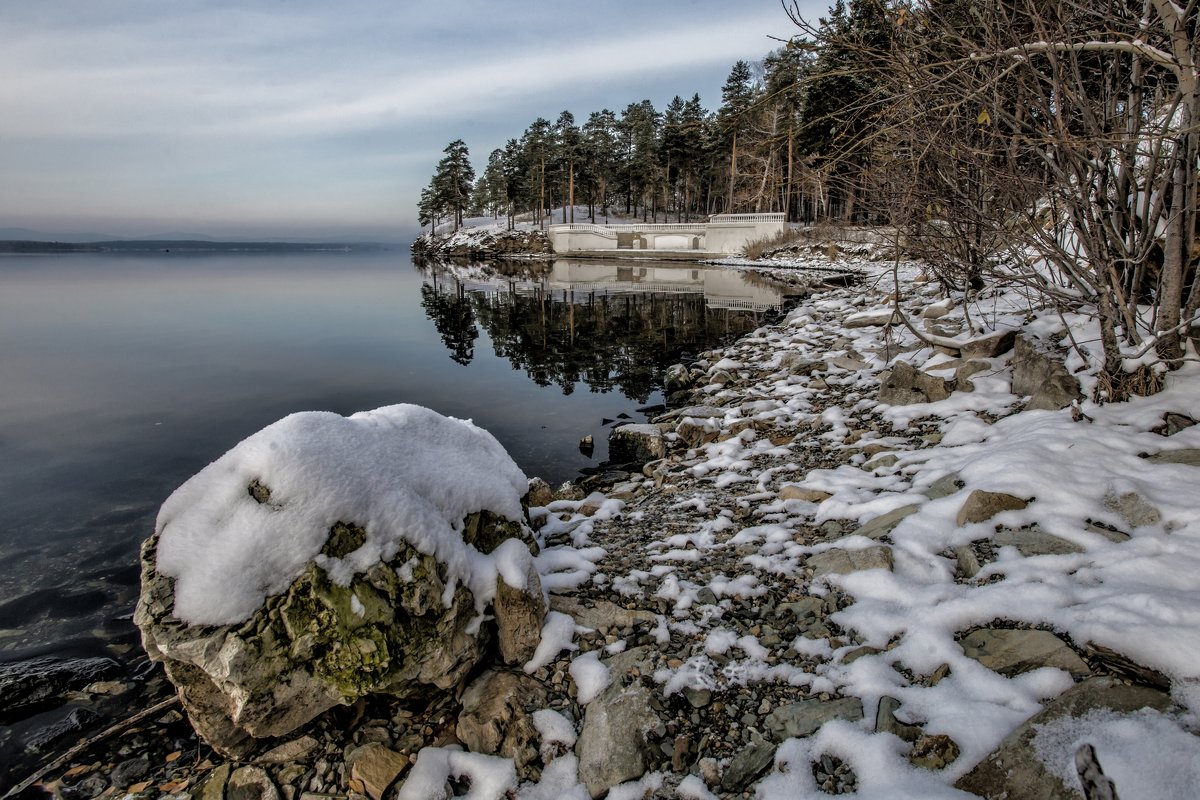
486, 243
736, 633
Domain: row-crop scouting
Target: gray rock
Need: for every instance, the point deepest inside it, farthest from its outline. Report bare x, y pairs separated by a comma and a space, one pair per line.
1015, 771
934, 752
539, 494
677, 378
1035, 542
1173, 423
805, 718
38, 682
884, 524
694, 432
904, 385
1190, 457
614, 745
751, 762
805, 608
882, 461
943, 487
636, 444
886, 722
1133, 508
213, 785
798, 364
964, 373
698, 412
981, 506
251, 783
519, 617
871, 319
496, 719
1040, 374
295, 750
989, 345
378, 767
1012, 652
72, 724
847, 363
795, 492
966, 563
603, 616
307, 649
130, 771
840, 562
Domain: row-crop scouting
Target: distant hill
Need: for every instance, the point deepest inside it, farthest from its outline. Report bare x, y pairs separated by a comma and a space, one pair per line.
12, 234
15, 246
30, 235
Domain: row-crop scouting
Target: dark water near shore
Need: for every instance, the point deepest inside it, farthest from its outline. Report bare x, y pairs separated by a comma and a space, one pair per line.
121, 376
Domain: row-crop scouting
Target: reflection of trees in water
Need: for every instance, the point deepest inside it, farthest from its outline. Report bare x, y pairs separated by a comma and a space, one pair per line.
452, 316
558, 337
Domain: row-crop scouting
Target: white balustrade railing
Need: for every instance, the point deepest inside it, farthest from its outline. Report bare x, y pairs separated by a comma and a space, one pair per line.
726, 219
612, 230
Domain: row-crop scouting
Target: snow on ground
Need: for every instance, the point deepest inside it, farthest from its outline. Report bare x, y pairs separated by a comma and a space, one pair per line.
807, 543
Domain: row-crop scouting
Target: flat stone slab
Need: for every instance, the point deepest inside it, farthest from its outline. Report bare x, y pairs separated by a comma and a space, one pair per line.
805, 718
1190, 458
840, 562
602, 615
1035, 542
1011, 652
981, 506
884, 524
870, 319
1014, 771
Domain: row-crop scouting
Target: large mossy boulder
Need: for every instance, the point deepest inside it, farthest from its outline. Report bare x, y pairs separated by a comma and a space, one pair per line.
327, 558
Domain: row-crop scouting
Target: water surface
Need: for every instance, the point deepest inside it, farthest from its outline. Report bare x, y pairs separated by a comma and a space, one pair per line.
122, 376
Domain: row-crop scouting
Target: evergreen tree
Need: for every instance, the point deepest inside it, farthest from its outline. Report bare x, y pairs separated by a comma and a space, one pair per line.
737, 96
453, 181
600, 157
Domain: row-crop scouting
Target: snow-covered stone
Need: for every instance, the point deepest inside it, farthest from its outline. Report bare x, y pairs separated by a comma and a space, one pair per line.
327, 558
1016, 770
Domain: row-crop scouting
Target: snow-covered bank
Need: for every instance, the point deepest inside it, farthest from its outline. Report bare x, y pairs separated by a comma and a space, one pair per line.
873, 598
485, 241
845, 575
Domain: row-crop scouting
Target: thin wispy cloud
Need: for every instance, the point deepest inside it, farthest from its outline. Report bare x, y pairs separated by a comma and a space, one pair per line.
203, 108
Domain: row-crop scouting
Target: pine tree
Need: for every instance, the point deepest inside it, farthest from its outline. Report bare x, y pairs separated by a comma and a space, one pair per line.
737, 96
600, 157
453, 181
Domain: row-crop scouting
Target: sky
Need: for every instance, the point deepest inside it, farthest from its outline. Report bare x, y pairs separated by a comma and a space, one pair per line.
308, 119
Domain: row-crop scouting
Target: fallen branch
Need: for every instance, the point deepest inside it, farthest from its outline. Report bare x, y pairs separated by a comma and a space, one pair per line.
84, 745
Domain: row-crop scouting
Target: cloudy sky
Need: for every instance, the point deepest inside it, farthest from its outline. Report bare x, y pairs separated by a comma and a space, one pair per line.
304, 118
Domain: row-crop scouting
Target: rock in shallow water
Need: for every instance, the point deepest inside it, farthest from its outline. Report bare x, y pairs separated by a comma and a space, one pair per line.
407, 622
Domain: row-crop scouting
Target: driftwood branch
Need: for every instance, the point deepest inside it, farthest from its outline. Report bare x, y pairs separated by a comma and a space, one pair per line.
84, 745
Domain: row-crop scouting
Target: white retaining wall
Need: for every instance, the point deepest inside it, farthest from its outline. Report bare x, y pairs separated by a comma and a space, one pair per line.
723, 234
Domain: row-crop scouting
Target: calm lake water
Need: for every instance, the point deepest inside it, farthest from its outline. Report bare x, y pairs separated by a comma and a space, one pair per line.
121, 376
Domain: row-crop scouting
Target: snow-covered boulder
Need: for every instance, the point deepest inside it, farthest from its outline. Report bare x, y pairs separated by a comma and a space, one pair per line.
325, 558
